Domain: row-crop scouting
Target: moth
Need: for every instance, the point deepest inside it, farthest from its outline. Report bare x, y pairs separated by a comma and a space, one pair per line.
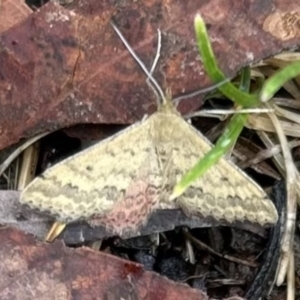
122, 180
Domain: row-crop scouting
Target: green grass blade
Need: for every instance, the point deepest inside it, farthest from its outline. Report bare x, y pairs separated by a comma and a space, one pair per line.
212, 69
225, 142
275, 82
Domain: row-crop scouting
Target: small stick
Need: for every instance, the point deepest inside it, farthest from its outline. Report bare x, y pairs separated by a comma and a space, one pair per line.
267, 153
201, 91
225, 256
203, 113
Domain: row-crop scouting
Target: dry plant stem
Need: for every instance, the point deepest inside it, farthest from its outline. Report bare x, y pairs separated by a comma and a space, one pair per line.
277, 158
216, 112
226, 281
194, 277
291, 176
28, 166
292, 88
291, 278
225, 256
262, 122
290, 103
55, 230
267, 153
189, 248
190, 251
287, 114
288, 56
201, 91
96, 245
19, 150
239, 158
7, 179
11, 176
15, 181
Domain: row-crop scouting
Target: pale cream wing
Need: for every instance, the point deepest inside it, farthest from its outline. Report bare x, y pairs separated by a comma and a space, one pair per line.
224, 191
95, 180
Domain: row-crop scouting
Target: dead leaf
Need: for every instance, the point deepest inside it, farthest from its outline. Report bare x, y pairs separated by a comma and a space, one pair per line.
33, 270
13, 214
12, 12
62, 67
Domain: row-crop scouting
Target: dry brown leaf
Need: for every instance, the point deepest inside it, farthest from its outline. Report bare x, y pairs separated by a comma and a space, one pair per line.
33, 270
62, 67
12, 12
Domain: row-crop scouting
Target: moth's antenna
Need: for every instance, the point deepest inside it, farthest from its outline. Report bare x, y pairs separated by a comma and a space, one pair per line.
157, 55
156, 87
138, 60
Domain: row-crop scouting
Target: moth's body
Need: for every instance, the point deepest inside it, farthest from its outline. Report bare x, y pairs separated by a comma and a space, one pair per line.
120, 181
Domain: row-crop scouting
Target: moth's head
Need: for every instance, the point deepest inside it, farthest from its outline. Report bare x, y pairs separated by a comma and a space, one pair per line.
167, 105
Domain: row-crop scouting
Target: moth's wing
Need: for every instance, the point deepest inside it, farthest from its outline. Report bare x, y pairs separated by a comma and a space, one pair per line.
224, 192
93, 181
132, 210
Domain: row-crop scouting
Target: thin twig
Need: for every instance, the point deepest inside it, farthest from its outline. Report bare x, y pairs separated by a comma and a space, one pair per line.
225, 256
267, 153
201, 91
287, 114
28, 166
189, 249
209, 112
270, 143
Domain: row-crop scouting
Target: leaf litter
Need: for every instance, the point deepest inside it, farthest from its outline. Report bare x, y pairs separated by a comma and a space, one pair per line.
130, 87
